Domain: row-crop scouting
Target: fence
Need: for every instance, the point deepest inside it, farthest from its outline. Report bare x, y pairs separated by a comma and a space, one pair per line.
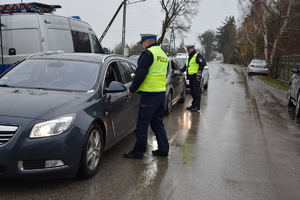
282, 66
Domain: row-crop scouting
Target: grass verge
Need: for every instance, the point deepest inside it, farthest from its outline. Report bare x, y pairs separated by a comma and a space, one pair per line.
274, 82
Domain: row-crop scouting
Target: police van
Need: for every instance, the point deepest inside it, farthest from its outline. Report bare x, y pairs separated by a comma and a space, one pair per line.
28, 28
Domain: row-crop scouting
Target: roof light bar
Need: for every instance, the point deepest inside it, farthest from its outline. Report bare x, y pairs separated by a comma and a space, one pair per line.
28, 7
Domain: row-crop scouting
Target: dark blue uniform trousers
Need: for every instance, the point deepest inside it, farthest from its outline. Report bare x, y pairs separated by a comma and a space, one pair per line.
195, 92
151, 112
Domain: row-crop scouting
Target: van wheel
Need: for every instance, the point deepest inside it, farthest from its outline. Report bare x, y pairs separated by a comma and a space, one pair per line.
168, 104
91, 153
298, 107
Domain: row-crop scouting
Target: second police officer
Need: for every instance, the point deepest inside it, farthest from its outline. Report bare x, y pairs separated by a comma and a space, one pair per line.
194, 66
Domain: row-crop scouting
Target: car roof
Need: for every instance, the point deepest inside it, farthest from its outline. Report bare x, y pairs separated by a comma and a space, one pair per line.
73, 56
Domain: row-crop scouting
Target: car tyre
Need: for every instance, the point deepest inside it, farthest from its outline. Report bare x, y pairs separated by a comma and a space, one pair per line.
206, 85
297, 111
91, 153
183, 95
168, 104
289, 101
201, 85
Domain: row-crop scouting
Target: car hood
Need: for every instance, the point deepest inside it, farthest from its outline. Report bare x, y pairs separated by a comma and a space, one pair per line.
40, 104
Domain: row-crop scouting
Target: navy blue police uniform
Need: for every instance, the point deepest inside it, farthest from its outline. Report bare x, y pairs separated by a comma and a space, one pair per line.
151, 111
194, 82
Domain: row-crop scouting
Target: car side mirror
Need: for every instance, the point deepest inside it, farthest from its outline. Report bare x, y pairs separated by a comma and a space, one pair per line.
114, 87
295, 70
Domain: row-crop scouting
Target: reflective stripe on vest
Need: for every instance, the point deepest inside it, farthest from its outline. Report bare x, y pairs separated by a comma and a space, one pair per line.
192, 67
155, 80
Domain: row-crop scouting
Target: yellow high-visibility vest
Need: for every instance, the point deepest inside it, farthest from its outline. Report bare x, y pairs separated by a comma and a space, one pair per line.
192, 66
155, 80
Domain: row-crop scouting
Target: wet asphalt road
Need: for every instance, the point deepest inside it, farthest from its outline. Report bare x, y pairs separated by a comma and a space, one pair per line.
243, 145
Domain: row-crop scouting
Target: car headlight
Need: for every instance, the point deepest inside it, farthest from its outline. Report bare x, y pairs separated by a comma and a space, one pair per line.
52, 127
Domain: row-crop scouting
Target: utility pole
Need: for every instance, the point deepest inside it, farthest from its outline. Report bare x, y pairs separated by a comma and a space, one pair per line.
123, 27
172, 42
124, 22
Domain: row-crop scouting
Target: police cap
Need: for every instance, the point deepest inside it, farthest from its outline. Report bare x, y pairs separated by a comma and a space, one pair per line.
189, 46
147, 36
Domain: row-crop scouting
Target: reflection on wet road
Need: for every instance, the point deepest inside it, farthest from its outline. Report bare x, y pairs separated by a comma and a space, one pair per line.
242, 145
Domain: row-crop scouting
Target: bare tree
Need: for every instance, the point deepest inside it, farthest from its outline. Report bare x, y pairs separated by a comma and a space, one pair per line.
250, 29
286, 18
259, 20
178, 14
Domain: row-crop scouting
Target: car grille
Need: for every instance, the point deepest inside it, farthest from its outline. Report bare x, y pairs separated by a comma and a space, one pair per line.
6, 133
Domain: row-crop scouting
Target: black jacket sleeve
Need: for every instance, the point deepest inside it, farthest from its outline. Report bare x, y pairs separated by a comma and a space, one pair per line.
201, 61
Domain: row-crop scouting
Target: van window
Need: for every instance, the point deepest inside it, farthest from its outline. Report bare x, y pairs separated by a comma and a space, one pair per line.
60, 39
25, 41
81, 42
96, 44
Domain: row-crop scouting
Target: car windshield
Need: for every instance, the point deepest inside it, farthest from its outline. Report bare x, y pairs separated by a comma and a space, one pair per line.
258, 62
52, 74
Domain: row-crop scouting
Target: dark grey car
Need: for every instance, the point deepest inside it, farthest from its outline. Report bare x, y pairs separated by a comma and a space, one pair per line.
59, 113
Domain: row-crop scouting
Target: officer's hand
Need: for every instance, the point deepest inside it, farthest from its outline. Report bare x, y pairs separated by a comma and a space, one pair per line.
129, 92
198, 76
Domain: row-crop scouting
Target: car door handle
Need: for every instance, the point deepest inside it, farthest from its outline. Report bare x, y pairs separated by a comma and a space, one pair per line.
127, 97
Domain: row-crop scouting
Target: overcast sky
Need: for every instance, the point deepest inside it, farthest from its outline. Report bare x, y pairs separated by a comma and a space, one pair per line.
141, 17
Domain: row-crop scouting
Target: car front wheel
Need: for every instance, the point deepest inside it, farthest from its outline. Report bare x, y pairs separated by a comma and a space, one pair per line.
183, 95
168, 104
289, 101
91, 153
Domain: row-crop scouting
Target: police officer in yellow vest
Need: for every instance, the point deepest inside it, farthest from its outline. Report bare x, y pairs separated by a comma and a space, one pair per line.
194, 66
150, 82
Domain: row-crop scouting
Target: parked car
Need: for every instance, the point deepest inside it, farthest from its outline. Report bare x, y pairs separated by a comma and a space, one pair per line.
293, 94
57, 117
181, 59
176, 84
257, 66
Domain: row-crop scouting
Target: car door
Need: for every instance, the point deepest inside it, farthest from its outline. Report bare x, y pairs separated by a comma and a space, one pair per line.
127, 69
118, 103
176, 81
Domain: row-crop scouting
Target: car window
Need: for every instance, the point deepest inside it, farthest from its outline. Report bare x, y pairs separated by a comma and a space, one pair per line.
181, 61
53, 74
174, 65
261, 62
126, 69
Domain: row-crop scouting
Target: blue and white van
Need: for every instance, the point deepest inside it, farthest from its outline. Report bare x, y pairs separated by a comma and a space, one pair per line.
28, 28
